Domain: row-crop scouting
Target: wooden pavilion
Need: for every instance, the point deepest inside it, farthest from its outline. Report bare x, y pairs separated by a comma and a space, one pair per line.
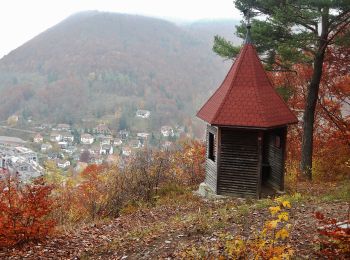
246, 131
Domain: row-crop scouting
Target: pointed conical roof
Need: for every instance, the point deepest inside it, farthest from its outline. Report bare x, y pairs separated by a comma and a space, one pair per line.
246, 97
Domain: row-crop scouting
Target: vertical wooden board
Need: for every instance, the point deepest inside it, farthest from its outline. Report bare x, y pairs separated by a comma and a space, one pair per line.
260, 159
238, 173
211, 166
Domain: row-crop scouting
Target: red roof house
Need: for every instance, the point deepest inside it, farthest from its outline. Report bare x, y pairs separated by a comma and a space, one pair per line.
246, 97
246, 131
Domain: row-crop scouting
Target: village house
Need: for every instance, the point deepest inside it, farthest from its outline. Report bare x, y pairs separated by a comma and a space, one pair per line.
26, 153
69, 149
38, 138
117, 142
45, 147
101, 129
106, 149
62, 127
167, 131
63, 144
63, 164
106, 140
22, 160
86, 139
143, 135
67, 137
143, 113
55, 137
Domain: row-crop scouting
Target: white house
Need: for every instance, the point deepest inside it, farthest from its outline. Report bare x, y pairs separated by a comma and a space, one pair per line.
167, 131
117, 142
63, 164
63, 144
55, 137
106, 140
143, 113
86, 139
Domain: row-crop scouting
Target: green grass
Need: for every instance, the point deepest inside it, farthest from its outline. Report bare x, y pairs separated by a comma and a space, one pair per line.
341, 193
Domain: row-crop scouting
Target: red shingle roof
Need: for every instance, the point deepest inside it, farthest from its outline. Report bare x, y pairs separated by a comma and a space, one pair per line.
246, 98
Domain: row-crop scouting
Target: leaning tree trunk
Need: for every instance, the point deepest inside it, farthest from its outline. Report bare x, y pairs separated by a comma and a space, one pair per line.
311, 99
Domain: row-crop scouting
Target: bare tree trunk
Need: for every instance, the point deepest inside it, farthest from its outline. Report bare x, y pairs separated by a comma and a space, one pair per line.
311, 100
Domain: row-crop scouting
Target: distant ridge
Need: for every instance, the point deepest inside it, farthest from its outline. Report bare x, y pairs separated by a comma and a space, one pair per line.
94, 63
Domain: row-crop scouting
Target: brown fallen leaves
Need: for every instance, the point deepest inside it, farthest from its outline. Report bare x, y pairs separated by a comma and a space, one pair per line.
167, 229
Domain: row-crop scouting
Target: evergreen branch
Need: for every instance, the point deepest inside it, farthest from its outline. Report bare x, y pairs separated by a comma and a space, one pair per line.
337, 32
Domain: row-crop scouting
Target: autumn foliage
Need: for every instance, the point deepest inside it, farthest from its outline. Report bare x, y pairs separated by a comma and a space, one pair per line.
332, 120
334, 237
24, 210
103, 191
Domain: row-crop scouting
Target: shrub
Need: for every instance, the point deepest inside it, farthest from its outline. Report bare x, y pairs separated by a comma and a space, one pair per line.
24, 210
334, 237
102, 191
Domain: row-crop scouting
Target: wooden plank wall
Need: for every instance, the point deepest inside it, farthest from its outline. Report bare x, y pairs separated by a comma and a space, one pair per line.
274, 156
211, 166
238, 173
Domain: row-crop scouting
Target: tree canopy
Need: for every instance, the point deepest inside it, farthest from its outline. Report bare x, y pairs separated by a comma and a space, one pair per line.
286, 33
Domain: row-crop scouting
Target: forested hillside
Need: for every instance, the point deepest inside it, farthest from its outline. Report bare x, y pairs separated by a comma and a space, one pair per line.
94, 63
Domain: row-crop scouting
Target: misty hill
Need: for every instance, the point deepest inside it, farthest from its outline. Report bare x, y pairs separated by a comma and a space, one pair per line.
94, 63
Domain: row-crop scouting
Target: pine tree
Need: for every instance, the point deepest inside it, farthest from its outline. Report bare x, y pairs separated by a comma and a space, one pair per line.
290, 32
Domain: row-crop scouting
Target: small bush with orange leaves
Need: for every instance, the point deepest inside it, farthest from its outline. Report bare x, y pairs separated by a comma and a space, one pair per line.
24, 210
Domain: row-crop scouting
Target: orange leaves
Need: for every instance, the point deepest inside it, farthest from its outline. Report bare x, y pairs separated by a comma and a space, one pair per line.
188, 162
274, 210
282, 234
24, 210
332, 123
101, 191
334, 237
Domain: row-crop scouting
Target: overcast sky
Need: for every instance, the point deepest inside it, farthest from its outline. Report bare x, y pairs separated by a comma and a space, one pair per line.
21, 20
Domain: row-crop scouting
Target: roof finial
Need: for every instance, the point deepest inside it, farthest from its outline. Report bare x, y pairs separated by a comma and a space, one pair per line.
247, 15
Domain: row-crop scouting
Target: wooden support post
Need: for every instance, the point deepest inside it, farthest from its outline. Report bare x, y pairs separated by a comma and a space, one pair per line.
259, 168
